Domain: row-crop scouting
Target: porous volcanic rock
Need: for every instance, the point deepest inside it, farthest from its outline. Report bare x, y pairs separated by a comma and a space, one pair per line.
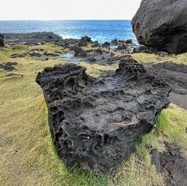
94, 121
162, 25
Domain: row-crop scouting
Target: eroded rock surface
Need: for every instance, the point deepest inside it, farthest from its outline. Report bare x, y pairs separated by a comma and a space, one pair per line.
162, 25
94, 121
172, 163
176, 76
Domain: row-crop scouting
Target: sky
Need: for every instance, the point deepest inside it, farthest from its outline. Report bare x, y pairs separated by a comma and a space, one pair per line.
68, 9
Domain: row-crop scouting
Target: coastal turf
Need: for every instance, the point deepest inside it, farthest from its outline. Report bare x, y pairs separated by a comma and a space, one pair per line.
27, 154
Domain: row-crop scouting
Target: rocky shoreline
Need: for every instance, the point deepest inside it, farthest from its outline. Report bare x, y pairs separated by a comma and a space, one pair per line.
38, 38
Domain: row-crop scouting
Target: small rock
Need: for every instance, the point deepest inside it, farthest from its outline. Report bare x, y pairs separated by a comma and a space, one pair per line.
2, 40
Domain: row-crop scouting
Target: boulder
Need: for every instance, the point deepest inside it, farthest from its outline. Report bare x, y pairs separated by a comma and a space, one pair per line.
128, 41
77, 49
162, 25
122, 47
95, 121
106, 44
86, 39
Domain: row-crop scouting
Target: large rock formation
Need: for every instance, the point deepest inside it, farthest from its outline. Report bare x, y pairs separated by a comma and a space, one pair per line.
94, 121
162, 25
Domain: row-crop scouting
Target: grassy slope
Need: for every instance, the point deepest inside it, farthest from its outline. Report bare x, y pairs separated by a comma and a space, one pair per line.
26, 151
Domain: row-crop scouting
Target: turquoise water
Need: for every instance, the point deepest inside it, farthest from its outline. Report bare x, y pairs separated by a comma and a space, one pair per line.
100, 30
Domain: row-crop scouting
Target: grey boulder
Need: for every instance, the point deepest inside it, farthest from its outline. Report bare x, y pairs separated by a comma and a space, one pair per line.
162, 25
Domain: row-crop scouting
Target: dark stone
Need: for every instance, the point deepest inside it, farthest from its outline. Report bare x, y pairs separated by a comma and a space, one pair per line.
114, 42
174, 74
35, 54
82, 43
8, 66
83, 53
122, 47
155, 159
94, 121
169, 65
106, 44
86, 39
11, 63
128, 41
77, 50
99, 51
162, 25
1, 43
15, 55
2, 36
70, 41
2, 40
37, 49
145, 49
92, 59
173, 165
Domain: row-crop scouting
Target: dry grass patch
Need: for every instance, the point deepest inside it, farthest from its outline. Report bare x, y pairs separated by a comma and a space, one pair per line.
145, 57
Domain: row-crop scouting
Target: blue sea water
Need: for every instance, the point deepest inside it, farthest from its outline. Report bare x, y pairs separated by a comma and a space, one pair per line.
98, 30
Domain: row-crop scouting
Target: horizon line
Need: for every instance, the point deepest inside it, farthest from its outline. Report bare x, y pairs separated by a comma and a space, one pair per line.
65, 19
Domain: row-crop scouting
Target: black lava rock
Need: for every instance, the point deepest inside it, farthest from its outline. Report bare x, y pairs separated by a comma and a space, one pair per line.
94, 121
2, 40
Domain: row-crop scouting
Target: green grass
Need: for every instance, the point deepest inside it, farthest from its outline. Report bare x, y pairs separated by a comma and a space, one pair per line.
26, 151
172, 123
18, 48
96, 69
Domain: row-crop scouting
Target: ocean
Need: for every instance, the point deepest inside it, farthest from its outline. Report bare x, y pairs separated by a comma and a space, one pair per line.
98, 30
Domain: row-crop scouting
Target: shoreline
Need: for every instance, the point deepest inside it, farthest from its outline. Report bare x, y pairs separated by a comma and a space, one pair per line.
38, 38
